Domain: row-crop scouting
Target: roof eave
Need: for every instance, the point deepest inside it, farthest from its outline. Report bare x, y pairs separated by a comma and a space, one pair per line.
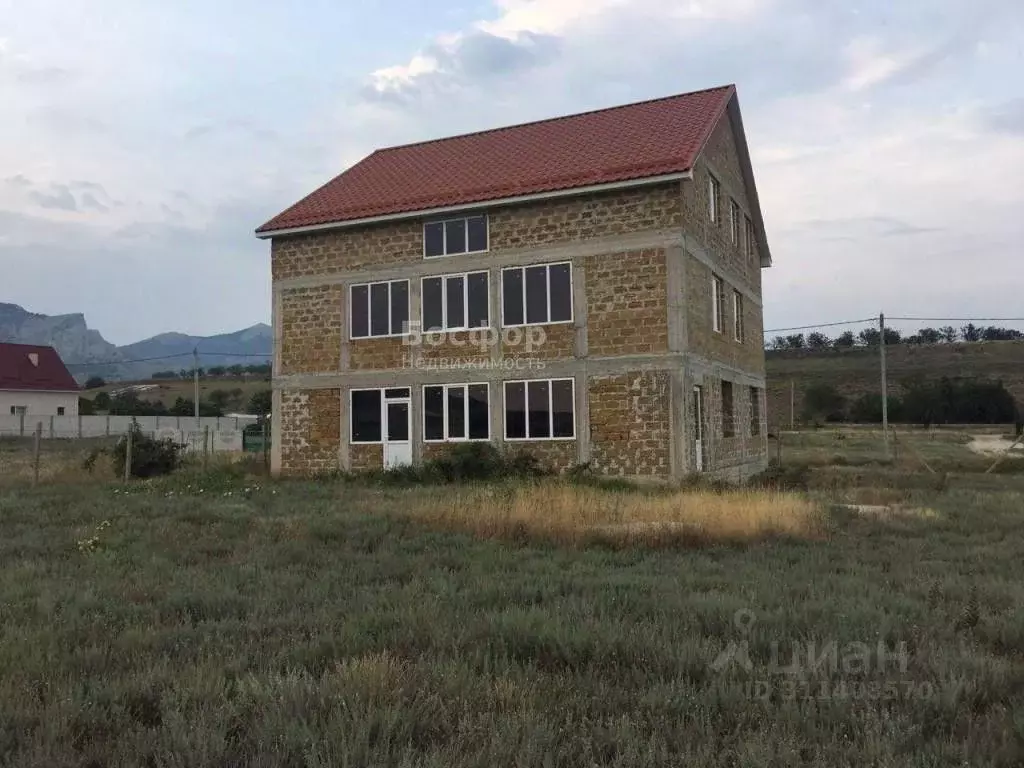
264, 234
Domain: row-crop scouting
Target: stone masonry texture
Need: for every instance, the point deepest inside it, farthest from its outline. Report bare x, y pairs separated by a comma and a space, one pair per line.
629, 424
311, 329
626, 303
310, 431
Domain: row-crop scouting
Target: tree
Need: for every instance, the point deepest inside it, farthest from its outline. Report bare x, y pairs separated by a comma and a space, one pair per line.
845, 339
892, 336
95, 382
102, 401
796, 341
929, 335
217, 371
823, 402
86, 407
165, 375
818, 341
971, 332
869, 337
260, 402
948, 334
779, 342
993, 333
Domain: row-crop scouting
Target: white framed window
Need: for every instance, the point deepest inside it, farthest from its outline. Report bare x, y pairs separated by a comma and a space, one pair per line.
734, 222
717, 304
537, 294
728, 412
540, 409
714, 192
378, 309
366, 412
737, 316
448, 237
455, 302
755, 411
456, 412
751, 243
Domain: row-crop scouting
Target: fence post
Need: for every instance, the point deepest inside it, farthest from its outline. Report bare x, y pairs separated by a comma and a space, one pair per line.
79, 426
266, 445
21, 424
108, 426
51, 426
206, 445
35, 453
128, 455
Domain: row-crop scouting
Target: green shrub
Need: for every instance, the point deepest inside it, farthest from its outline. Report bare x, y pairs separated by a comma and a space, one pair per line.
150, 457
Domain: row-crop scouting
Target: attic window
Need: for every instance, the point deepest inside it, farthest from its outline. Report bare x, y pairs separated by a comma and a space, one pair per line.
33, 358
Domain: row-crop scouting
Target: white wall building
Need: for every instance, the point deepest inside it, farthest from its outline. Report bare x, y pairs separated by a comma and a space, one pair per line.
35, 382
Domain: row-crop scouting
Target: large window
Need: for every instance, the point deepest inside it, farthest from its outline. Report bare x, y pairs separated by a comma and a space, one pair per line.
540, 409
717, 303
714, 192
455, 302
466, 234
751, 244
379, 309
737, 316
728, 414
541, 294
755, 411
734, 222
365, 415
456, 412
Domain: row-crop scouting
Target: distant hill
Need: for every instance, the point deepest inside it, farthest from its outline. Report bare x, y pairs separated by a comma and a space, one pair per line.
854, 371
87, 353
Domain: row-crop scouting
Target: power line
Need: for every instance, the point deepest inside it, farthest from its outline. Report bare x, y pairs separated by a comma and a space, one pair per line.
822, 325
169, 357
962, 319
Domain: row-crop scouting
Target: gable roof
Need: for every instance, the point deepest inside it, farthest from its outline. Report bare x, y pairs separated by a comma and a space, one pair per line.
638, 141
47, 374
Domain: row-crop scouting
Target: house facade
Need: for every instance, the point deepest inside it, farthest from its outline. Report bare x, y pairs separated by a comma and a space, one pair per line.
35, 382
586, 288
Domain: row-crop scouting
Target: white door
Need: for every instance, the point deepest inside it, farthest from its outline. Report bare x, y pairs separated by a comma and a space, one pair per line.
397, 428
698, 428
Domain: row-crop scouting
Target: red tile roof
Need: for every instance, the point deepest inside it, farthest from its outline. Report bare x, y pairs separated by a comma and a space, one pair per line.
635, 141
18, 372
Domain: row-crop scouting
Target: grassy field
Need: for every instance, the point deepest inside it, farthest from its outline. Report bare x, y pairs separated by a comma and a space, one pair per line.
223, 619
166, 391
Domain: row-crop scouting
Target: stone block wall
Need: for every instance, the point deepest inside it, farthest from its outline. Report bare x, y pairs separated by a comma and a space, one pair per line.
630, 424
627, 296
310, 431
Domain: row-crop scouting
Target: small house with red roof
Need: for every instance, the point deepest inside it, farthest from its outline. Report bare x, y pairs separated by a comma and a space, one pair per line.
585, 289
35, 382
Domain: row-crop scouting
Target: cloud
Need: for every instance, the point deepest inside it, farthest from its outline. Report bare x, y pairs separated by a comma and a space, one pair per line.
57, 196
1007, 117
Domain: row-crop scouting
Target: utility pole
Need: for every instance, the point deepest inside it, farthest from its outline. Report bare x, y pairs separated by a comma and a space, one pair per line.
885, 384
195, 379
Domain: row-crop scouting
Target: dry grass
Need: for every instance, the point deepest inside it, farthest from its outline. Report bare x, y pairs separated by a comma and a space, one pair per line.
580, 515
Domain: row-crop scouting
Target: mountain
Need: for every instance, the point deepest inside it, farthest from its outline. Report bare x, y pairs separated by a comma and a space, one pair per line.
87, 353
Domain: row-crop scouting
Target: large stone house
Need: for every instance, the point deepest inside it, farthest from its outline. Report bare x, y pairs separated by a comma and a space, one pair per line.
587, 288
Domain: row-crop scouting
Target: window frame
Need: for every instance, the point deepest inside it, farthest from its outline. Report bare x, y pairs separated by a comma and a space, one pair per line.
444, 409
444, 301
61, 410
522, 269
717, 304
714, 194
731, 421
738, 326
751, 244
734, 221
444, 235
526, 410
369, 309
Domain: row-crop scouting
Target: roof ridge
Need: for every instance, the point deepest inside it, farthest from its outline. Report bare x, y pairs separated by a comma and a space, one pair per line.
554, 119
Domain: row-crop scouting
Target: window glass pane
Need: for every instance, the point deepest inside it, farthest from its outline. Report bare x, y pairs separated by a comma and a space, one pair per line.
399, 305
455, 236
561, 292
432, 308
478, 301
539, 415
365, 416
398, 422
477, 233
455, 301
512, 296
536, 294
433, 413
433, 239
456, 412
562, 408
515, 410
360, 309
379, 309
479, 416
395, 392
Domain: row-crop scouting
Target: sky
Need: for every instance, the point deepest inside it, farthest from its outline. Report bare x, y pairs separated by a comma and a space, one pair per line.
141, 143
